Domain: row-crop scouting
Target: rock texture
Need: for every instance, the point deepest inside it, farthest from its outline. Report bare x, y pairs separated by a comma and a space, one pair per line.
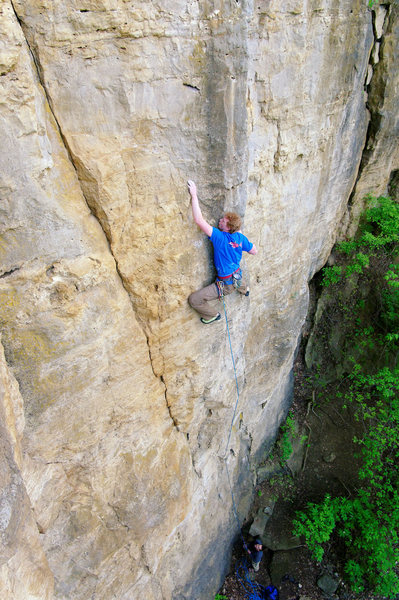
107, 108
24, 571
378, 173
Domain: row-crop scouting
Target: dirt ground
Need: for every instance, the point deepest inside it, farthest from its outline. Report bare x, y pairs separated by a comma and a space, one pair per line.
328, 465
289, 588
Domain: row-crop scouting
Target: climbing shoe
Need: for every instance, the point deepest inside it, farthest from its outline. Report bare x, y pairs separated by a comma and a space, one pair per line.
211, 320
244, 291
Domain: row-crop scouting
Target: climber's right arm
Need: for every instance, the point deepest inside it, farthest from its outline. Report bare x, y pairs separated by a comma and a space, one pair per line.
197, 214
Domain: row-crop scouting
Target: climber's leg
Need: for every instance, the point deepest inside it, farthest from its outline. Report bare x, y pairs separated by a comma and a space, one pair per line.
203, 301
242, 286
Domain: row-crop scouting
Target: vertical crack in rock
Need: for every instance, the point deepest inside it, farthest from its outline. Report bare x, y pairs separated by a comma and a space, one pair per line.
277, 154
371, 89
175, 423
160, 377
162, 380
93, 209
145, 561
374, 124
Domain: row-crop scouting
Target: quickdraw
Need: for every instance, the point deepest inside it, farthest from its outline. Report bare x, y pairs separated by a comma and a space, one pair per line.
220, 286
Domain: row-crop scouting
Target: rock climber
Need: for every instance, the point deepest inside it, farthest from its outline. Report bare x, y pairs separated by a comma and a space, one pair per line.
228, 246
255, 550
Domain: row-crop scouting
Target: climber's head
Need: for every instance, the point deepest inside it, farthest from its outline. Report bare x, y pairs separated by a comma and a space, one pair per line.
230, 222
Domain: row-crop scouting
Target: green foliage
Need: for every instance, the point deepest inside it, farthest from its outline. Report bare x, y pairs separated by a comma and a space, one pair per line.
379, 230
331, 275
220, 597
287, 433
367, 522
290, 423
316, 525
365, 284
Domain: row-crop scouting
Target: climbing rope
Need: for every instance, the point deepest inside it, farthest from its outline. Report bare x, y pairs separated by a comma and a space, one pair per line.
225, 456
234, 367
253, 589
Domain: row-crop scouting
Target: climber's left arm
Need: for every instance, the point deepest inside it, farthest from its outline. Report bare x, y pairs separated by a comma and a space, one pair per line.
197, 214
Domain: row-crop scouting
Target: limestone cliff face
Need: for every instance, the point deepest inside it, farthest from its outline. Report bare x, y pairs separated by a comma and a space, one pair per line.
380, 159
107, 108
24, 571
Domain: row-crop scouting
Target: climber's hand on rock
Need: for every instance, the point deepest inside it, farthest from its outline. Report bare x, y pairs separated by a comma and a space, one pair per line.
192, 188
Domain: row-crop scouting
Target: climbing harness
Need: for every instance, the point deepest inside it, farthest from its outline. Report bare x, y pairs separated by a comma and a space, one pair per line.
253, 590
232, 279
226, 277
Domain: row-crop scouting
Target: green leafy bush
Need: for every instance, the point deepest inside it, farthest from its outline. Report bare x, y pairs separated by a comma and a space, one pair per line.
378, 232
368, 522
364, 286
287, 433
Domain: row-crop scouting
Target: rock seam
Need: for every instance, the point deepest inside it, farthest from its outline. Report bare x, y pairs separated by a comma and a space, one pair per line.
41, 82
371, 131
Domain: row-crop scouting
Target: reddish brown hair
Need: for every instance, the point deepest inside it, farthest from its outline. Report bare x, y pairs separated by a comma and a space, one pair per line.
233, 221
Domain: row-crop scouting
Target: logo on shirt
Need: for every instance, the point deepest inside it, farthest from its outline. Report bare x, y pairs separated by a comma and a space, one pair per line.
235, 245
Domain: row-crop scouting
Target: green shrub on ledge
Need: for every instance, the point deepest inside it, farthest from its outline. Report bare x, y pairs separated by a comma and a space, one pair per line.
367, 523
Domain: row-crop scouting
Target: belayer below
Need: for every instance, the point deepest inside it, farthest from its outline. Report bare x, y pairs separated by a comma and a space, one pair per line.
228, 246
255, 551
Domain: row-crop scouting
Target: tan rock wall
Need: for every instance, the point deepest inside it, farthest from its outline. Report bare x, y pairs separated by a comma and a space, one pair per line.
24, 571
98, 430
107, 108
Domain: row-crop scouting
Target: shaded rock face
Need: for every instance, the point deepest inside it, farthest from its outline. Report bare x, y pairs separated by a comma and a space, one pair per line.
381, 153
107, 108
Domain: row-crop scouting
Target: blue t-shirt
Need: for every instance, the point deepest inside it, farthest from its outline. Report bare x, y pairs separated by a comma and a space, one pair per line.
227, 250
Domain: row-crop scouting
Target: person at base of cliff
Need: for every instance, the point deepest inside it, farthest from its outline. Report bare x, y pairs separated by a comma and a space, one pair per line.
228, 246
255, 550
